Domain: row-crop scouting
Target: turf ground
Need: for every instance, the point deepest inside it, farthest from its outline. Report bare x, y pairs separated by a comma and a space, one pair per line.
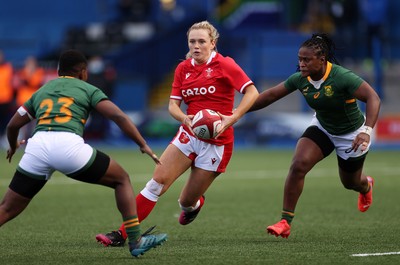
59, 226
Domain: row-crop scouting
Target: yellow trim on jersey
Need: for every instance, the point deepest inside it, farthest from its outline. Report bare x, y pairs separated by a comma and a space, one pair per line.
348, 101
327, 72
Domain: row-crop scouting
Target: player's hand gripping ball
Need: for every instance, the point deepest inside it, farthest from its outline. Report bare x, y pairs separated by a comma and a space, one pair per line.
206, 124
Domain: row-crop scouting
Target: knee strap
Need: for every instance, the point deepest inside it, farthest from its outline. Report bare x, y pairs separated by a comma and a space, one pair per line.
152, 190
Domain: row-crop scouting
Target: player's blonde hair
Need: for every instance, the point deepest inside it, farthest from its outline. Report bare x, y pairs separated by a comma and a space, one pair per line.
212, 31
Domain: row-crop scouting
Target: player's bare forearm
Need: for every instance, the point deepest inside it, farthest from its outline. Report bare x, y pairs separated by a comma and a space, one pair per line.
269, 96
174, 108
13, 127
247, 101
367, 94
372, 111
130, 130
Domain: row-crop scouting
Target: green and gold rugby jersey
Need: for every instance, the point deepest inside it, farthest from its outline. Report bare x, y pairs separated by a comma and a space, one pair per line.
332, 98
63, 104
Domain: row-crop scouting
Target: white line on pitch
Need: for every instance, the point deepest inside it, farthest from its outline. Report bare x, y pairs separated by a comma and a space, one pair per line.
375, 254
230, 175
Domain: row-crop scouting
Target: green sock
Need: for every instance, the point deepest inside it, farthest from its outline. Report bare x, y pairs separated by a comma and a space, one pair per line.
288, 215
132, 227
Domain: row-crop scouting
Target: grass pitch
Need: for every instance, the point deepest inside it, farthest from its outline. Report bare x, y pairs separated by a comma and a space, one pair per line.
60, 224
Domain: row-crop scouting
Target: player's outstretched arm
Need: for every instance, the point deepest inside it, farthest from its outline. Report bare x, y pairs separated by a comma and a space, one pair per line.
112, 112
269, 96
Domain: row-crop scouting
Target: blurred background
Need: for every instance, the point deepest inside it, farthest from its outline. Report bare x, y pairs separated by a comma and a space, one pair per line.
133, 47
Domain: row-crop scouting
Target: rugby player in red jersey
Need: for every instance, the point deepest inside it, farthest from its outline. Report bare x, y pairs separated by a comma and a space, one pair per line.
205, 80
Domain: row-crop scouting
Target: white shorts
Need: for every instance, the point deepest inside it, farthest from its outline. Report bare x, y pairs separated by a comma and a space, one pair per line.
204, 155
343, 142
49, 151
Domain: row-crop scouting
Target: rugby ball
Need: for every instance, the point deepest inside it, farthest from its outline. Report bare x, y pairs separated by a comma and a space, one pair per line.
206, 124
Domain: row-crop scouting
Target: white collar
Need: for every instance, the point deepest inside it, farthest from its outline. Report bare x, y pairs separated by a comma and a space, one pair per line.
213, 54
317, 84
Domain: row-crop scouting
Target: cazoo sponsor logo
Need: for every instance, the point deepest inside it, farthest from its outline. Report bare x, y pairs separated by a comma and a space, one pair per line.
198, 91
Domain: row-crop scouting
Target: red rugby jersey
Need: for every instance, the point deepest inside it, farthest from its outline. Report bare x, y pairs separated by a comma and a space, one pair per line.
210, 86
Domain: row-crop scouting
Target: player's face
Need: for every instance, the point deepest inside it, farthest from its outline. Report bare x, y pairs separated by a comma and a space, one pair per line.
200, 45
310, 64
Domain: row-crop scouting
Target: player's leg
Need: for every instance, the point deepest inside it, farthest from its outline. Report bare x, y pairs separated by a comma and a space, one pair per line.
31, 175
306, 156
312, 147
19, 194
352, 177
107, 172
211, 161
176, 159
351, 164
117, 178
173, 164
29, 178
192, 199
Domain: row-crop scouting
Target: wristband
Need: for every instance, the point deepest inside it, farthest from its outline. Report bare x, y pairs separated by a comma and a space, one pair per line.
367, 130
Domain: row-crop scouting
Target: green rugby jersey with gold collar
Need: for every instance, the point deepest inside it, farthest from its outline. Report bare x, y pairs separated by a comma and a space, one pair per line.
63, 104
332, 98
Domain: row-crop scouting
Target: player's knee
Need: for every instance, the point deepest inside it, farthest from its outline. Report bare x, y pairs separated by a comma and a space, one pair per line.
11, 207
114, 179
124, 178
299, 166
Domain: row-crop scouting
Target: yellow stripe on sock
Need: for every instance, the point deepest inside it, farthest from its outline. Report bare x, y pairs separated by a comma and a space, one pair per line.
288, 213
131, 222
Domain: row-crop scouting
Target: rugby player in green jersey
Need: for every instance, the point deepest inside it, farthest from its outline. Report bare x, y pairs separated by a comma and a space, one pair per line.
61, 108
338, 124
